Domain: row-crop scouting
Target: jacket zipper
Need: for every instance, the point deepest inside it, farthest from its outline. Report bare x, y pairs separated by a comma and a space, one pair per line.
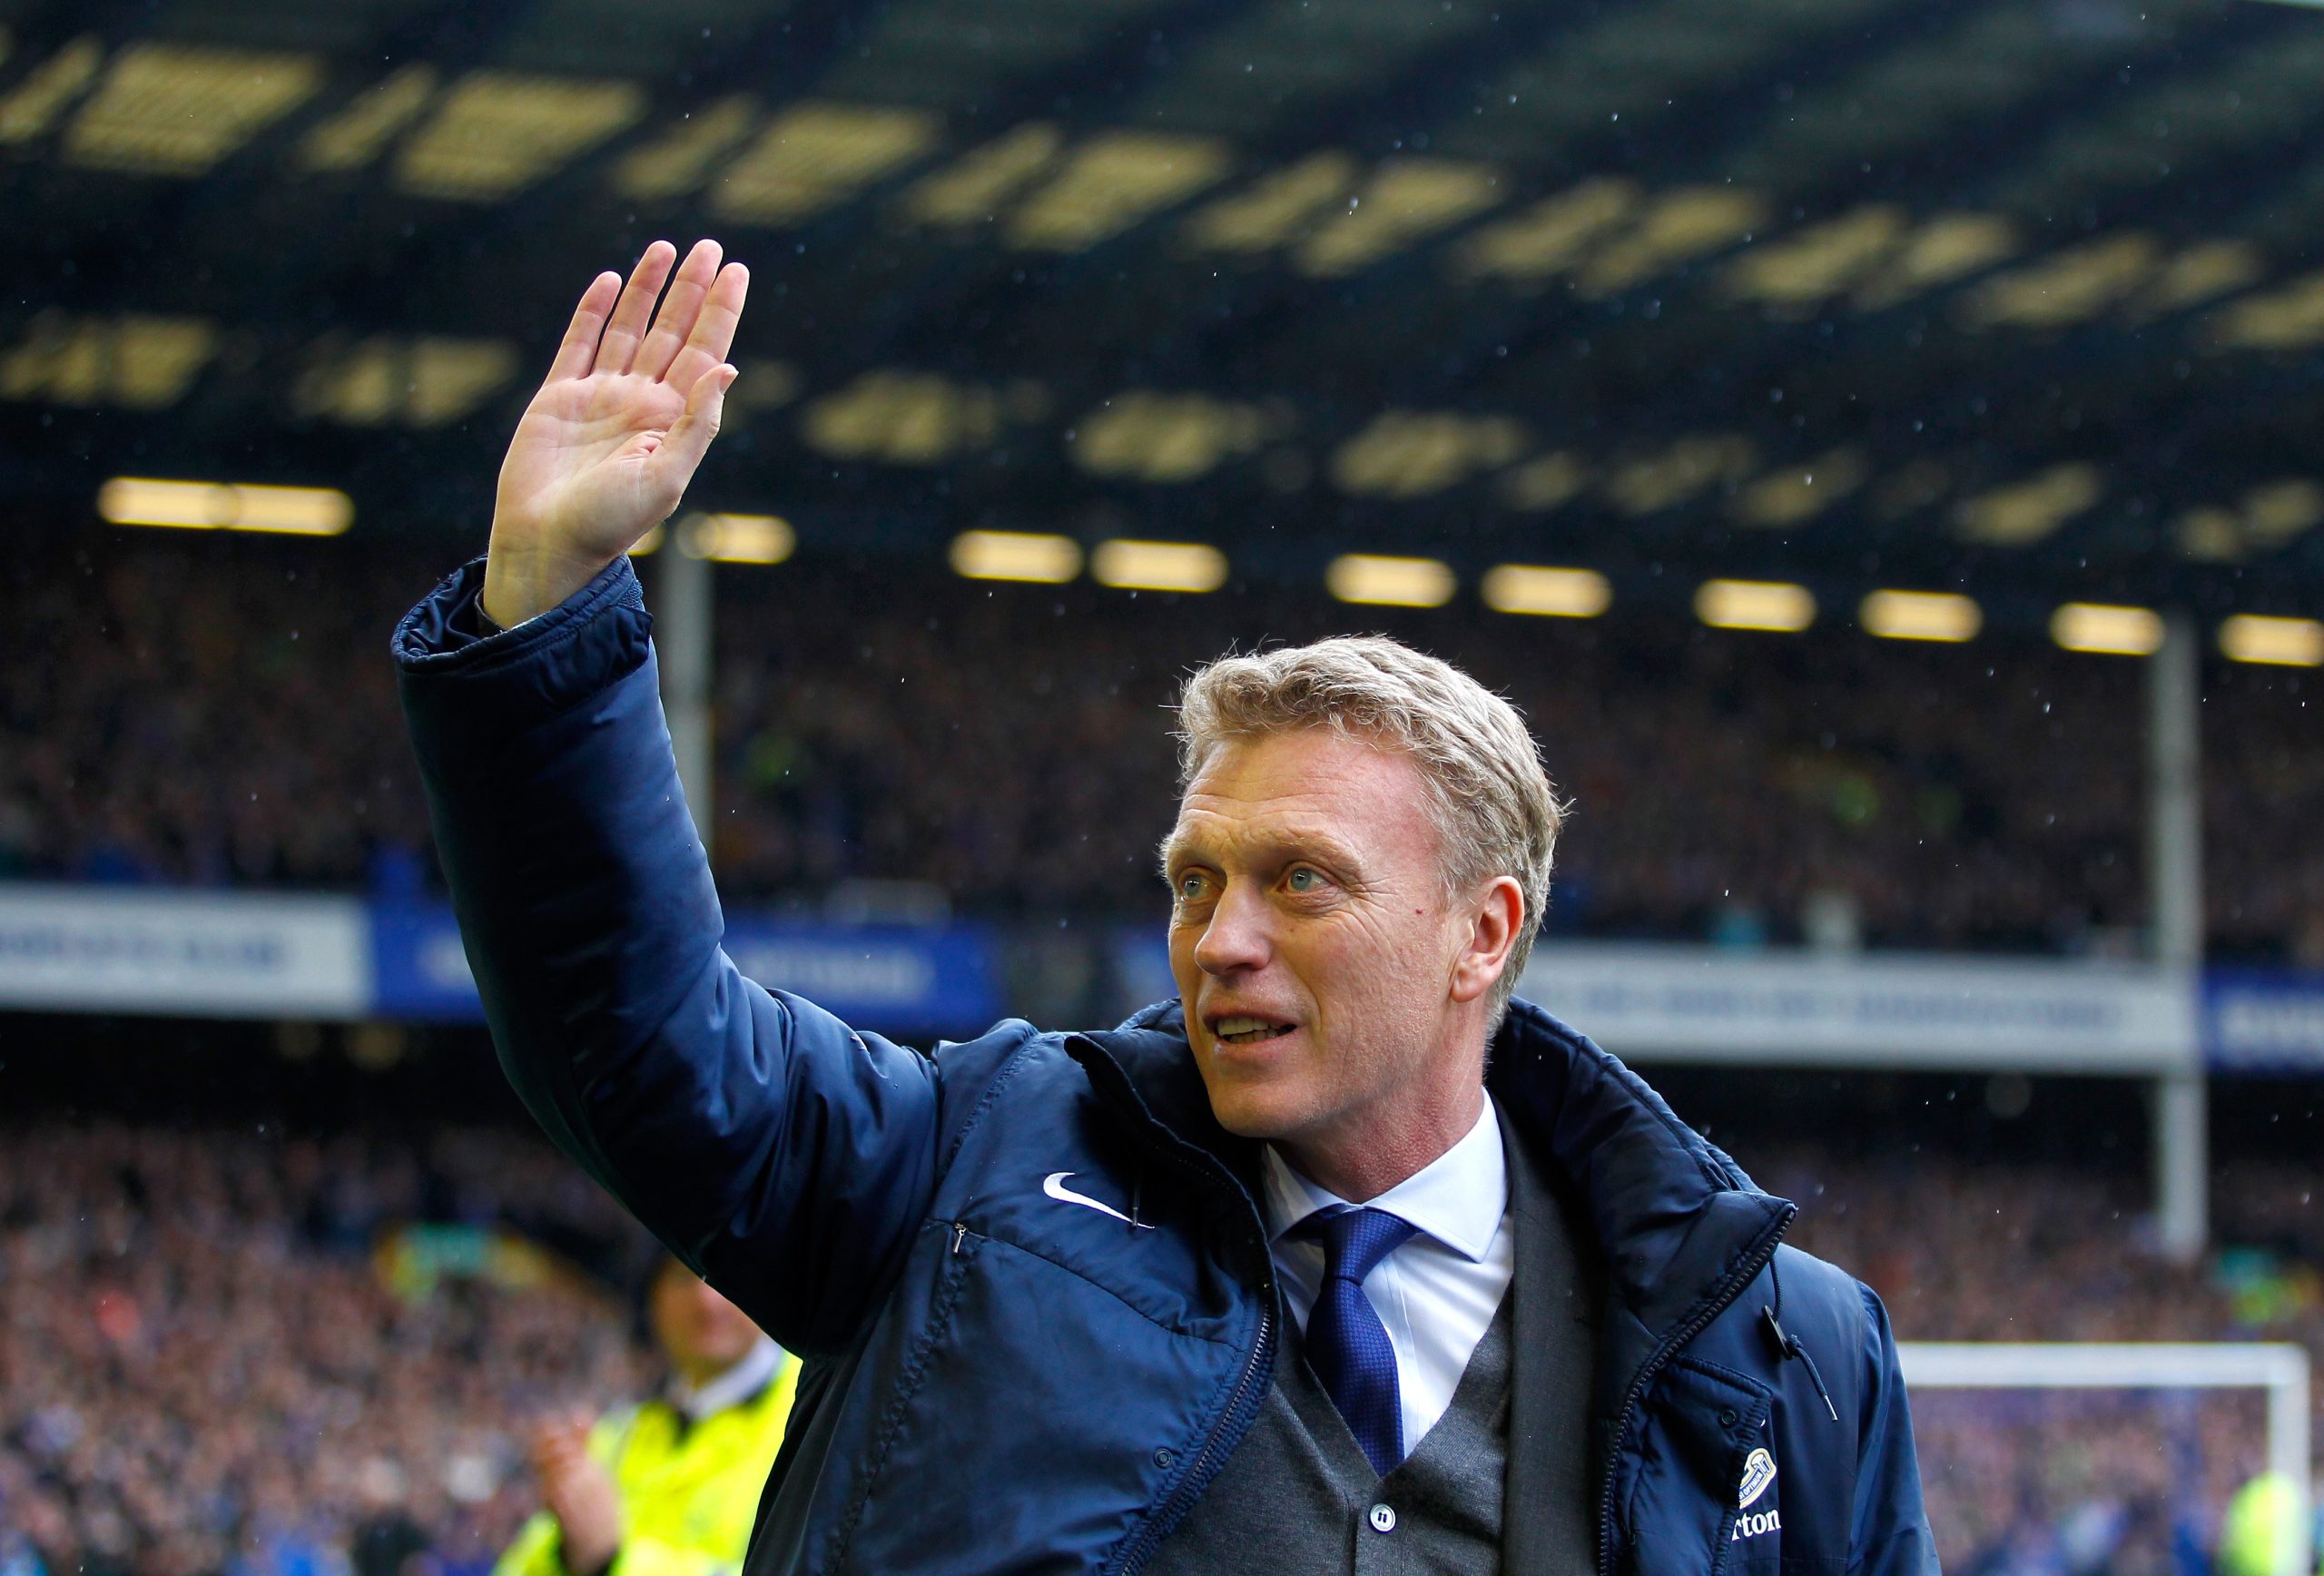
1708, 1309
1133, 1557
1168, 1512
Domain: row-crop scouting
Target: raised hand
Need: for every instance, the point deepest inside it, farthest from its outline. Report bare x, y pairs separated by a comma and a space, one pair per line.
606, 448
580, 1493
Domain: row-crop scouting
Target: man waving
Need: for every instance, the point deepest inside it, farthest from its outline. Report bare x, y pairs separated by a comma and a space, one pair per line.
1344, 1259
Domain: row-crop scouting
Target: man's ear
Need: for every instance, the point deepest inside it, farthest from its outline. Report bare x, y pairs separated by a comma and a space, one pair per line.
1497, 918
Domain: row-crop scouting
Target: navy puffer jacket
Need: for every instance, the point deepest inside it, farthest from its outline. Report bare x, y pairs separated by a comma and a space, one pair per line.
998, 1381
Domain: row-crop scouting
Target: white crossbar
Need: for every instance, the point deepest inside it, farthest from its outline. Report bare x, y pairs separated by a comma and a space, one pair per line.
2277, 1367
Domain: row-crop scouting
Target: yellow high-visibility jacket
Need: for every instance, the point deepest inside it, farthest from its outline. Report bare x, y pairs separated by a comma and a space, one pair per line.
2261, 1535
689, 1493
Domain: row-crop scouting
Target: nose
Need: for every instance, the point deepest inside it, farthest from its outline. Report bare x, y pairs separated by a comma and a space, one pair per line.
1238, 938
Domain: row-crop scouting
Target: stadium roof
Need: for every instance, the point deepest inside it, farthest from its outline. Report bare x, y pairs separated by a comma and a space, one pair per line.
2023, 296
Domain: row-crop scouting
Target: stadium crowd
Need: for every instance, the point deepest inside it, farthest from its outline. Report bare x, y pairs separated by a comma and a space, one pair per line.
217, 1355
217, 1359
2063, 1483
223, 713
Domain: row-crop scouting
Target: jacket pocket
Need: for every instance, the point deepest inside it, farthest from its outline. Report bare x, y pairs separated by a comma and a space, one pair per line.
1701, 1449
955, 1247
1036, 1418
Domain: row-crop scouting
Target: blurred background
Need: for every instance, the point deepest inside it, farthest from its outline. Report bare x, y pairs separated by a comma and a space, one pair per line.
1875, 443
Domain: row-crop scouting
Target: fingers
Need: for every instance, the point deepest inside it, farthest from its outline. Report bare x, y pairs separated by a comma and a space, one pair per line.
713, 328
673, 465
579, 348
675, 320
562, 1433
618, 349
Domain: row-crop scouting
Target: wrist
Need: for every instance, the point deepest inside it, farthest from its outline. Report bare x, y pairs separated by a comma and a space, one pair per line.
522, 586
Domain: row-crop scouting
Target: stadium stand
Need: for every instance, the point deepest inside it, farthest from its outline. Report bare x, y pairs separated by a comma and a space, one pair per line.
227, 1353
220, 713
218, 1353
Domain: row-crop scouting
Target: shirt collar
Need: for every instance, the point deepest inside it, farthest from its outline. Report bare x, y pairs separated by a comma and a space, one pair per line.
747, 1378
1458, 1198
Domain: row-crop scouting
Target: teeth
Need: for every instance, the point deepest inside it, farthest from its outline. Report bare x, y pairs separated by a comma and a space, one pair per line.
1244, 1031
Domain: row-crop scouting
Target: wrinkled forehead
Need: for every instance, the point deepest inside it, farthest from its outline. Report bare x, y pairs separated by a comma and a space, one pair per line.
1235, 835
1196, 757
1312, 789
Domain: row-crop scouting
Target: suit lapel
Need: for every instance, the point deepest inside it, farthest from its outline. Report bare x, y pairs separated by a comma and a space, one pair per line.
1548, 1520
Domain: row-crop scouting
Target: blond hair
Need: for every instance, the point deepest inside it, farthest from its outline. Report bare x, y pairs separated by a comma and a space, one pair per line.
1492, 805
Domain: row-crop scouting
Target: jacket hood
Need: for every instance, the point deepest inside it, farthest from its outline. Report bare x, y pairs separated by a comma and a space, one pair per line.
1673, 1214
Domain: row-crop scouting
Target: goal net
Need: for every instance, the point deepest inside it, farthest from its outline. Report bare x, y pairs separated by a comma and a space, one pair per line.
2077, 1459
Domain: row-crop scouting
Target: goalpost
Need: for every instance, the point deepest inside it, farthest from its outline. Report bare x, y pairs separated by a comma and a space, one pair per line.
2278, 1368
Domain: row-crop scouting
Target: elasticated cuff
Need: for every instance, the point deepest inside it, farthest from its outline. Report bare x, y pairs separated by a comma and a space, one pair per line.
511, 678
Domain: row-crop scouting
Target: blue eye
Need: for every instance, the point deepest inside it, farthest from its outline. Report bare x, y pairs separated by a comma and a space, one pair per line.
1303, 880
1191, 885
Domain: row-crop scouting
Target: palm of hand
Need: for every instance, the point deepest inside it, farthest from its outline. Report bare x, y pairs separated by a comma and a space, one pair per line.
578, 471
606, 448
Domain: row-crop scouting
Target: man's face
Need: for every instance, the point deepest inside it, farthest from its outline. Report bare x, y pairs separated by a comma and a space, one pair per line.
1312, 943
701, 1331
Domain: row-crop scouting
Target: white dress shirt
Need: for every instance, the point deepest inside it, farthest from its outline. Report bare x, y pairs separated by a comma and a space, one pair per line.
1438, 1291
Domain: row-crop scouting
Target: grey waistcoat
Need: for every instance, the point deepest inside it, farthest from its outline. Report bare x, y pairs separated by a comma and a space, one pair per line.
1300, 1496
1502, 1481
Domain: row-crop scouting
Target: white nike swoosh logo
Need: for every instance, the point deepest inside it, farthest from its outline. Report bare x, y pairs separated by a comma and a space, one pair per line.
1054, 1185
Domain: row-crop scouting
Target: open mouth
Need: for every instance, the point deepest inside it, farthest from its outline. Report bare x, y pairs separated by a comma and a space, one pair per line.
1248, 1030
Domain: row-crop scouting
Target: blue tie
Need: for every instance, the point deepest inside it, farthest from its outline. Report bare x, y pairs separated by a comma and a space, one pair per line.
1347, 1345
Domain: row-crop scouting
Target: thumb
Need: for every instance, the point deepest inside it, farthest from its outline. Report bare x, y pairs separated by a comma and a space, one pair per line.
673, 465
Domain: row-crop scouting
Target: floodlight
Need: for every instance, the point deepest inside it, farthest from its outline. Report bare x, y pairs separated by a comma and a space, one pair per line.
737, 538
495, 133
350, 139
1770, 605
814, 155
208, 505
1112, 182
1406, 200
1389, 582
1920, 615
1546, 592
1135, 565
2280, 642
1016, 555
2107, 630
175, 109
